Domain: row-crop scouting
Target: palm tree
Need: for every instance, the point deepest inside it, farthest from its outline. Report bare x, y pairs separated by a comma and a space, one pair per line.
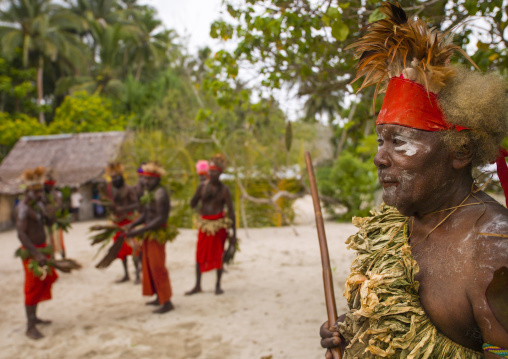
148, 47
43, 31
105, 73
97, 14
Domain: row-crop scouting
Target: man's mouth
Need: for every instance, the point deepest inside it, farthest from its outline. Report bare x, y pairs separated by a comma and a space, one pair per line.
388, 181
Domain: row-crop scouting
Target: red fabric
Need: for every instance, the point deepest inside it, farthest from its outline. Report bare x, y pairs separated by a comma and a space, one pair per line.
211, 247
155, 275
126, 249
502, 171
408, 104
150, 174
217, 168
37, 290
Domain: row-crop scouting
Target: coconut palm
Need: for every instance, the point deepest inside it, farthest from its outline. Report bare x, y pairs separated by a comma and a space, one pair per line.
151, 43
43, 31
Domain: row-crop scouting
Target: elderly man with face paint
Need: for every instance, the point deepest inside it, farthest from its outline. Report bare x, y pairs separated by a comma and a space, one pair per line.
154, 234
420, 286
212, 196
124, 203
30, 216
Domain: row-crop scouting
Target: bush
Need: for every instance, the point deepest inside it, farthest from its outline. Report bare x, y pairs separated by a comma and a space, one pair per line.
352, 181
14, 127
82, 112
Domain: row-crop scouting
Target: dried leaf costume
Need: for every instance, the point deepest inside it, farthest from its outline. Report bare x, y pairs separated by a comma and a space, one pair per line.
410, 62
385, 317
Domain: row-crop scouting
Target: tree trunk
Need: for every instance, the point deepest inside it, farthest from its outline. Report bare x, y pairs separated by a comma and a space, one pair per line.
138, 72
40, 69
343, 136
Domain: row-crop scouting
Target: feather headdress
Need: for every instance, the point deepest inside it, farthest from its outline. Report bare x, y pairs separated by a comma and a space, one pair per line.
33, 178
114, 169
397, 46
152, 169
218, 160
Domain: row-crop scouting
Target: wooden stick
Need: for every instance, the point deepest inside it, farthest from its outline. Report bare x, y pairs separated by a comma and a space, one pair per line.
331, 308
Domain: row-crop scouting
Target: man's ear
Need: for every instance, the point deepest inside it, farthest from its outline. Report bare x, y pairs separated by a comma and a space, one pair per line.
463, 157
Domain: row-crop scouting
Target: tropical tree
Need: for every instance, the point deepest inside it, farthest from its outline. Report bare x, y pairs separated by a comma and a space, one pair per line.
150, 43
44, 32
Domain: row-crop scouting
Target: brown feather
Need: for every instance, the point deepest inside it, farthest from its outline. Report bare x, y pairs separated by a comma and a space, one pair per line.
397, 45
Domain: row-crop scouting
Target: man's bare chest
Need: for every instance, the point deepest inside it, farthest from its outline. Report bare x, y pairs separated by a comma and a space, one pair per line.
444, 274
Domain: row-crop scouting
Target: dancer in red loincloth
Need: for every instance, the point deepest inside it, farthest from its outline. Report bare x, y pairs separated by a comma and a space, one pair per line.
213, 195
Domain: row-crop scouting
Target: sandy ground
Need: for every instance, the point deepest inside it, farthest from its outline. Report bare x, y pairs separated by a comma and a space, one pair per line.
272, 307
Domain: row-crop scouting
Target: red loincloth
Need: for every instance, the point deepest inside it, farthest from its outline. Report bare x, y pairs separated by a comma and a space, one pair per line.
211, 247
37, 290
126, 249
155, 274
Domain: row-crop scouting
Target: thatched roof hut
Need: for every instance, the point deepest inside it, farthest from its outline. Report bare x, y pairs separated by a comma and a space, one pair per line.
76, 159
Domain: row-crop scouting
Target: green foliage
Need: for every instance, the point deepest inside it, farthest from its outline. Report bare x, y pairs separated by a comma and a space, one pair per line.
17, 88
14, 127
352, 181
86, 113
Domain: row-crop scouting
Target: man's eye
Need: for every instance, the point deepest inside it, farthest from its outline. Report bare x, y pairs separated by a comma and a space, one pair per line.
397, 141
379, 141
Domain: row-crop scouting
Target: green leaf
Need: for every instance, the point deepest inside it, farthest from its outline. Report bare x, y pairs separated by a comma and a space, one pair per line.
326, 20
376, 16
344, 5
333, 13
340, 31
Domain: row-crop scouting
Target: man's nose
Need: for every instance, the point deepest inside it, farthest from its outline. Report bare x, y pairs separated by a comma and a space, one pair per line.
382, 158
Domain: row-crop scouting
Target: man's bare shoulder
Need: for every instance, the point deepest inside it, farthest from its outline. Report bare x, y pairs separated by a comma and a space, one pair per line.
161, 193
225, 189
491, 233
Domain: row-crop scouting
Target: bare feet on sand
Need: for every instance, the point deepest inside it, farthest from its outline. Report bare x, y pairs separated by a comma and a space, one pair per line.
193, 291
218, 290
123, 280
33, 333
153, 302
166, 307
42, 321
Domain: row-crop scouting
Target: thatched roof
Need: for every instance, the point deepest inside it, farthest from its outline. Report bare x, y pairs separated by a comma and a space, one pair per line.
75, 158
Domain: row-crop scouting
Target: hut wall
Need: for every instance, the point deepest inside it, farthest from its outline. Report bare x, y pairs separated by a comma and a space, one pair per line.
6, 211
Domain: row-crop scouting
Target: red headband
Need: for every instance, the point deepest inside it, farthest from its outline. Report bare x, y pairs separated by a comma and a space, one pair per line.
217, 168
408, 104
202, 173
150, 174
50, 183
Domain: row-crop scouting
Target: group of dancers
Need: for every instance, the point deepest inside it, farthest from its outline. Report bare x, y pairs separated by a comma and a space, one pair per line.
139, 214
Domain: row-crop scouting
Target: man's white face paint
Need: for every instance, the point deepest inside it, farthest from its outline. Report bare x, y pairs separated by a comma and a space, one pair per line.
409, 146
